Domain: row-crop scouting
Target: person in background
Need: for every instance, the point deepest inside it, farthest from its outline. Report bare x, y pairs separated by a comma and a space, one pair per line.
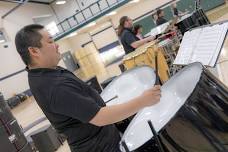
160, 19
176, 12
127, 37
74, 108
138, 31
154, 18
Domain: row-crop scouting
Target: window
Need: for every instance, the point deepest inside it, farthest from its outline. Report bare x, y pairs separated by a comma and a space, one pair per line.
52, 28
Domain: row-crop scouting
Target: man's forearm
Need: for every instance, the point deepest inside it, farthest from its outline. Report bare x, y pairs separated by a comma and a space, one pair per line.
139, 43
112, 114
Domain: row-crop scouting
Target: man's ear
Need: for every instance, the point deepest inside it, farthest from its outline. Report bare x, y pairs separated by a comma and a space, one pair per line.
34, 51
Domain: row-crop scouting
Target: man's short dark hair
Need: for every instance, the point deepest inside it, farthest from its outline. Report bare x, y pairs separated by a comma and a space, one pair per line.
28, 36
159, 11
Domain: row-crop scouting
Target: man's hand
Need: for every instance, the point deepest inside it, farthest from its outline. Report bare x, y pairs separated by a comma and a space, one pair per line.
151, 96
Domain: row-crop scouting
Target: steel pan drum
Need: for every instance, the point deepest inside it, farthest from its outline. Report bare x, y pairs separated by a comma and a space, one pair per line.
129, 85
192, 115
145, 55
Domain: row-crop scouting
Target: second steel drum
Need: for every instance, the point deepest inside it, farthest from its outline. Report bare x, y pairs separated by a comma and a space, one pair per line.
192, 115
127, 86
145, 55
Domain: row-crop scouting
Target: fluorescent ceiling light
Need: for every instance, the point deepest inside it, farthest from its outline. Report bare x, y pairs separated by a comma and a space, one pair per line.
60, 2
223, 52
42, 16
111, 13
52, 28
72, 34
2, 41
134, 1
91, 24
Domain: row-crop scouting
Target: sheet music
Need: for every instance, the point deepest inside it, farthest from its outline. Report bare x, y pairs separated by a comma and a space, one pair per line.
207, 42
159, 29
220, 44
202, 45
187, 46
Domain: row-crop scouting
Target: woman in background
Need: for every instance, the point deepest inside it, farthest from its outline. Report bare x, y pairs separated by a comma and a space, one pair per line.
176, 12
138, 31
127, 37
161, 17
154, 18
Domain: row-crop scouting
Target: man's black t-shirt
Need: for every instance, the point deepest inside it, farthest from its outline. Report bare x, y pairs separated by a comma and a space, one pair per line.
175, 12
161, 21
127, 38
70, 104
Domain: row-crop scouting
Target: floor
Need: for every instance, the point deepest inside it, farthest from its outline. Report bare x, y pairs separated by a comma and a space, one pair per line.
29, 111
222, 63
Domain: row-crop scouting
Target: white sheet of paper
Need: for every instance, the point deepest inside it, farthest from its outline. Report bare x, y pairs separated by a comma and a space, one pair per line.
220, 44
202, 45
187, 46
159, 29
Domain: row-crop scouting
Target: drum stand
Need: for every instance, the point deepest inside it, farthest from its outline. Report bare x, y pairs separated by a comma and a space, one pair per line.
170, 47
125, 146
156, 138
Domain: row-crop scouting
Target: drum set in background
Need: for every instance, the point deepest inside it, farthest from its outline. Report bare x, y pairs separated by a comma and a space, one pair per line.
189, 21
165, 51
192, 115
146, 55
166, 46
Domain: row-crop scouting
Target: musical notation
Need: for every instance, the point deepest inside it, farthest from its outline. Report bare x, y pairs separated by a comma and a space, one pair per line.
202, 45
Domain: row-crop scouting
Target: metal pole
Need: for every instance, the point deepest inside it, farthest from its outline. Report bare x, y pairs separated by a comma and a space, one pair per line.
156, 138
56, 15
13, 9
78, 5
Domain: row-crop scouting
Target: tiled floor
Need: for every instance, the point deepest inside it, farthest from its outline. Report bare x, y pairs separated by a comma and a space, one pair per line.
223, 63
29, 111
